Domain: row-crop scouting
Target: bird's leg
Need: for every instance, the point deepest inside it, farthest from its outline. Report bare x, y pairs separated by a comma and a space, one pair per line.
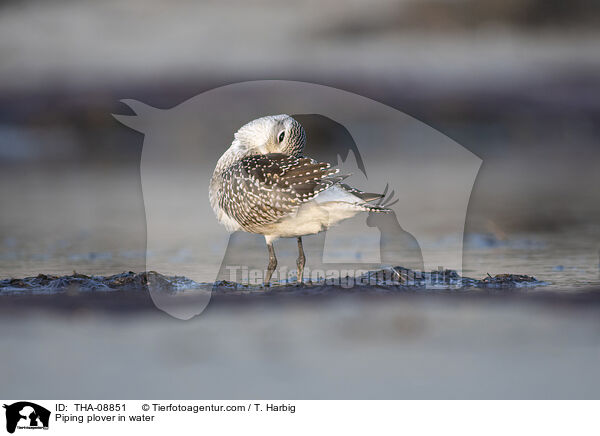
272, 263
301, 260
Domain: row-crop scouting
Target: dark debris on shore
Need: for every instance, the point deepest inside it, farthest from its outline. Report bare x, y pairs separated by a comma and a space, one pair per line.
396, 278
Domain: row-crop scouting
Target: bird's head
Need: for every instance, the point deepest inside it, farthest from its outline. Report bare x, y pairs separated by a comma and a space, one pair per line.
271, 134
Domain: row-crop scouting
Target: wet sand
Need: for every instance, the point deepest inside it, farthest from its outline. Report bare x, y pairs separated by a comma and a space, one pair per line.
489, 343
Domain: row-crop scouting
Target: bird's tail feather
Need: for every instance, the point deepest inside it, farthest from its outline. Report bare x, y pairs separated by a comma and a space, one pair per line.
382, 206
387, 200
376, 209
364, 196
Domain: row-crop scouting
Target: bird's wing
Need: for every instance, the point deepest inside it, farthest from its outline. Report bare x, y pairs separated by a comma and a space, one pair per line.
261, 189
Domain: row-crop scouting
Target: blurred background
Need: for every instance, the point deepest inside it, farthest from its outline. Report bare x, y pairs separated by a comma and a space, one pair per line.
516, 82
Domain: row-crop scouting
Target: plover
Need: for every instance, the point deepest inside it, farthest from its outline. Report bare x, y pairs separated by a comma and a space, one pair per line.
263, 184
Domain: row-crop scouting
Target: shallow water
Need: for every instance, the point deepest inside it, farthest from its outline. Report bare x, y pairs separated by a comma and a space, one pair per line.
92, 221
530, 342
562, 261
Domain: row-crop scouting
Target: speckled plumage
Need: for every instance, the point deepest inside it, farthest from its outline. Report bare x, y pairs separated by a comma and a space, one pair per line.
260, 190
262, 184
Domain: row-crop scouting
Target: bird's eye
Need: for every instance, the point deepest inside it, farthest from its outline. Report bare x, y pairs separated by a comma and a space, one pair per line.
281, 135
